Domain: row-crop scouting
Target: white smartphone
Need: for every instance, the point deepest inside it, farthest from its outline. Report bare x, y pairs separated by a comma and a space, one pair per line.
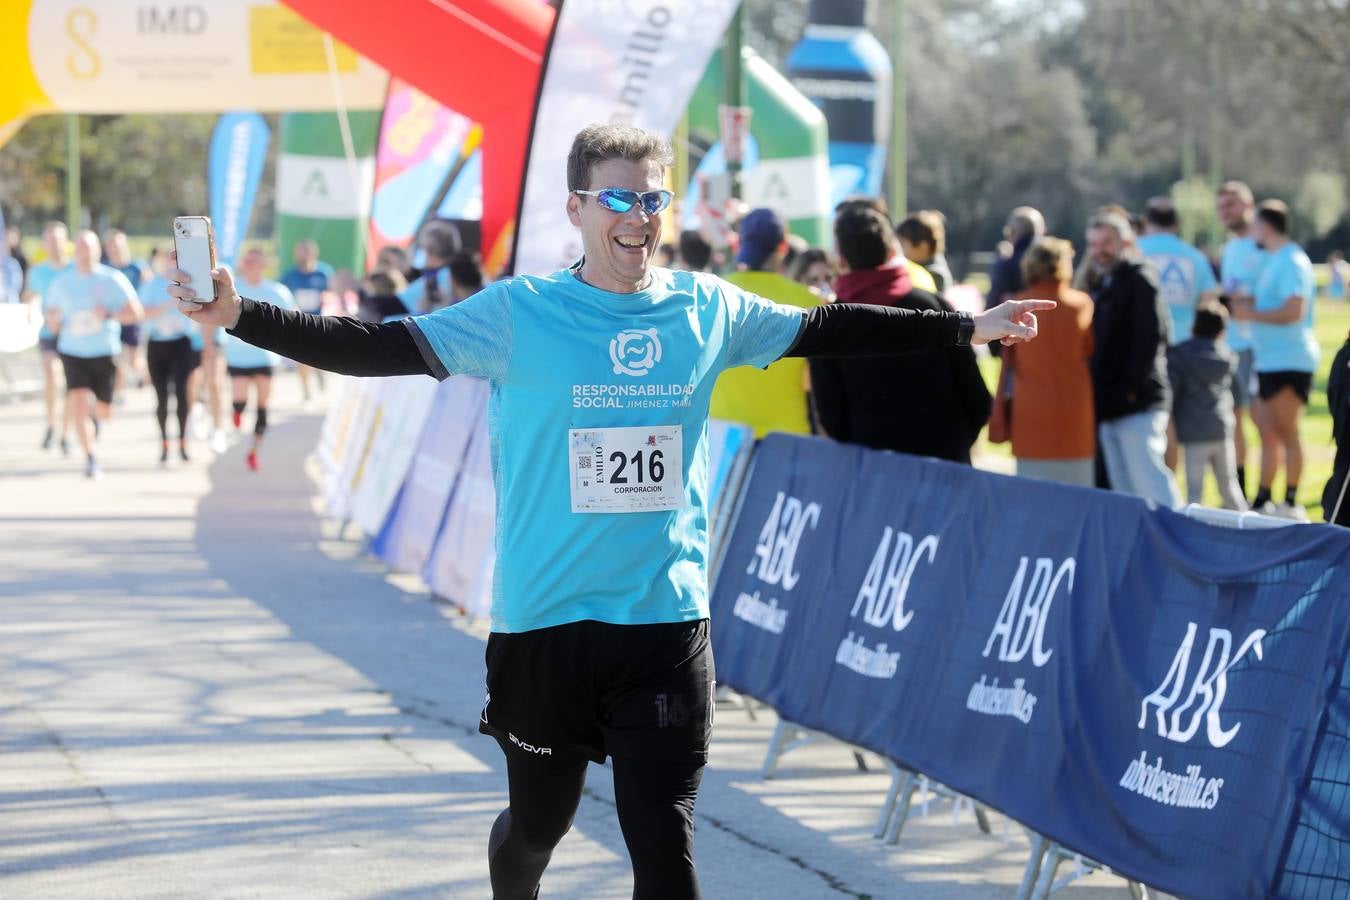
195, 245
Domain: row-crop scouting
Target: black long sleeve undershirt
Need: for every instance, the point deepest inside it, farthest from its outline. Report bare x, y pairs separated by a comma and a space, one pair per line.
843, 330
352, 347
332, 343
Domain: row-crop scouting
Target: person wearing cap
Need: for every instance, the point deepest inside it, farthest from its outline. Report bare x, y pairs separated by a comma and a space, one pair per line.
776, 398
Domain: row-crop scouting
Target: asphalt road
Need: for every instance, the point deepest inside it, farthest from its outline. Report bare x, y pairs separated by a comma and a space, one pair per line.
206, 692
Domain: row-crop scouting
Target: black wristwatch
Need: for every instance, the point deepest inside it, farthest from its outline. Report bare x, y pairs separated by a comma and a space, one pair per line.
965, 329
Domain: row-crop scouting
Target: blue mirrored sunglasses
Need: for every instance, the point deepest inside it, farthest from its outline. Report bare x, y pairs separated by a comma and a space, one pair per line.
621, 200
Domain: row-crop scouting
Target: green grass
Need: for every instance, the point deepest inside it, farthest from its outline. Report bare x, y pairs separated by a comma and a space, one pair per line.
1333, 322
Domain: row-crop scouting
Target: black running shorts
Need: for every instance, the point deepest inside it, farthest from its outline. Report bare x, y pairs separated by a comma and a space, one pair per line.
594, 689
97, 373
249, 371
1271, 383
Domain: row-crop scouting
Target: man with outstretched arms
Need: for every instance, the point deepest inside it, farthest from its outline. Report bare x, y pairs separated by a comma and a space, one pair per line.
600, 380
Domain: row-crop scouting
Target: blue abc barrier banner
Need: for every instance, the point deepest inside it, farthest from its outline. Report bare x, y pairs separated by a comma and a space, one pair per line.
1143, 688
234, 169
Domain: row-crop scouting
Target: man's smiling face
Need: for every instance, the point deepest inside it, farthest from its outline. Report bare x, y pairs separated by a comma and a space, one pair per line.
619, 246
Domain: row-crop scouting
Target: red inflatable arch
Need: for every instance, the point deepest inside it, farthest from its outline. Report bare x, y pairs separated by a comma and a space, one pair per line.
482, 58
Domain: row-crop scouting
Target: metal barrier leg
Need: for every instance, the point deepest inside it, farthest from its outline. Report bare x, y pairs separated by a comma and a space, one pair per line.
888, 805
858, 759
908, 784
1033, 869
981, 818
1049, 866
783, 734
749, 704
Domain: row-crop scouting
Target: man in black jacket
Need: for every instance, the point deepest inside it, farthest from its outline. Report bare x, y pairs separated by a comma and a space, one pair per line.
931, 403
1336, 497
1130, 330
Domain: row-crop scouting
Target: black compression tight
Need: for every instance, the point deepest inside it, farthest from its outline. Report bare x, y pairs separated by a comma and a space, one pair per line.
170, 366
655, 803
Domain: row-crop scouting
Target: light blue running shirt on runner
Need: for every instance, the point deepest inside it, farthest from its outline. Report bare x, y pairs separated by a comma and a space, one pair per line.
598, 415
171, 324
240, 354
83, 332
1293, 347
1239, 267
1184, 273
40, 278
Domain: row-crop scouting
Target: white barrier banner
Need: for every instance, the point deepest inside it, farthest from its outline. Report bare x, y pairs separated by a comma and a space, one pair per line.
404, 413
633, 62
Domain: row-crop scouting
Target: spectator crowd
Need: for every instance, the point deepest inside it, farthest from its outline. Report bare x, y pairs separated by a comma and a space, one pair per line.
1151, 364
1153, 361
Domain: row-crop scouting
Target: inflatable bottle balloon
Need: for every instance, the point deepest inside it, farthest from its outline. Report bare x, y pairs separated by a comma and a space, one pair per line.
846, 71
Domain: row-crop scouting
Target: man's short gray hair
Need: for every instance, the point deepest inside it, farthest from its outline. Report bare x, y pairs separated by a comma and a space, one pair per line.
1116, 222
597, 143
1025, 221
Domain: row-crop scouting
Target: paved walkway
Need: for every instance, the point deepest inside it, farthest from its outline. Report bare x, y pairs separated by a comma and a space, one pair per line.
205, 693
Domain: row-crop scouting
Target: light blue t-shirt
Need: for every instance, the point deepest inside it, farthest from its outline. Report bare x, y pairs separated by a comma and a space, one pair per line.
83, 331
1239, 267
40, 278
1184, 273
241, 354
564, 360
1293, 347
172, 324
415, 294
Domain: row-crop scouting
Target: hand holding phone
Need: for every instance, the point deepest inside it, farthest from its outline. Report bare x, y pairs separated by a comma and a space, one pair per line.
195, 247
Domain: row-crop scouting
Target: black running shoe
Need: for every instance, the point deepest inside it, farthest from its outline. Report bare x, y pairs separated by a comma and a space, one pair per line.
47, 438
183, 454
164, 455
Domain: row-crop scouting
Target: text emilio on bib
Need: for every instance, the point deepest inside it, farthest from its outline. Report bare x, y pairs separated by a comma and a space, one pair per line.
625, 470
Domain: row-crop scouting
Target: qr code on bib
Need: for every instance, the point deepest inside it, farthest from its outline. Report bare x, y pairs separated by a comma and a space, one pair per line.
583, 461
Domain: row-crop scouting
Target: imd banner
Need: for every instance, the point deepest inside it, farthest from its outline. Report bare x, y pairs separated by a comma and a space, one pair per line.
634, 62
110, 56
1144, 688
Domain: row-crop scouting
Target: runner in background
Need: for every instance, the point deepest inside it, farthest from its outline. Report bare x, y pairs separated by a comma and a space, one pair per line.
87, 306
170, 355
250, 366
130, 366
56, 240
1281, 313
306, 281
1239, 267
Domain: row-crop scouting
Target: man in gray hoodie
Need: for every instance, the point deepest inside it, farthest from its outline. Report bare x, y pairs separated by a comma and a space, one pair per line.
1201, 371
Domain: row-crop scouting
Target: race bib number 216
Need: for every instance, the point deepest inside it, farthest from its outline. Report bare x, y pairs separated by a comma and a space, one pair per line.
622, 470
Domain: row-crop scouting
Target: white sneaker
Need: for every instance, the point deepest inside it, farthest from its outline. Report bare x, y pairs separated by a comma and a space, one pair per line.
217, 443
1291, 512
197, 422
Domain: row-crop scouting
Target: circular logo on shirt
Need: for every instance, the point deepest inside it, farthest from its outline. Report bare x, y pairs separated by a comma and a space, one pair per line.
634, 351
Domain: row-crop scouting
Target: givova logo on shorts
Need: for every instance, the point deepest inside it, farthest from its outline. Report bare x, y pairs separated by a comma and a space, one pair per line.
634, 351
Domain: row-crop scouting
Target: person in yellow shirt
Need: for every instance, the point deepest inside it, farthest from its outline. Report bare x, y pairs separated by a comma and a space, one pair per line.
772, 399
